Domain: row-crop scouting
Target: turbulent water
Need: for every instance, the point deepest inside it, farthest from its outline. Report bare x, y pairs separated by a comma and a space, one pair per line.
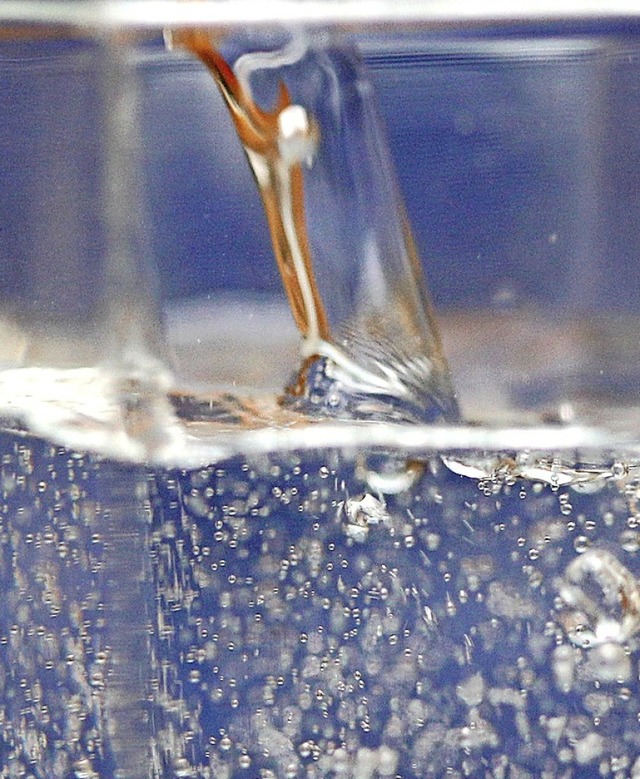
317, 615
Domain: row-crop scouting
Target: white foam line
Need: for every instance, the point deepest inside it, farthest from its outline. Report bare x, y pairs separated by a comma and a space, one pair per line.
418, 440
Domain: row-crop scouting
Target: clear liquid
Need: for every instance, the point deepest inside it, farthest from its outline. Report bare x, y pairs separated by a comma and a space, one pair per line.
317, 614
322, 169
320, 611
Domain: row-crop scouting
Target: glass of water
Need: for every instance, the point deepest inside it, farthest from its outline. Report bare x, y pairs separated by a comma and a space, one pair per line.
253, 522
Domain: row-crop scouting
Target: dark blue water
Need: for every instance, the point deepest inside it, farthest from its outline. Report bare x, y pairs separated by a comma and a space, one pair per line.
281, 617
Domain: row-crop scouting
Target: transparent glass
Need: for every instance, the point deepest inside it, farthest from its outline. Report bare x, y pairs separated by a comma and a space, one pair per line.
262, 515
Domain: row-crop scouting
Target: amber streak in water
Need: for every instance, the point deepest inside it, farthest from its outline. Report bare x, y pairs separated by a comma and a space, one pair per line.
259, 132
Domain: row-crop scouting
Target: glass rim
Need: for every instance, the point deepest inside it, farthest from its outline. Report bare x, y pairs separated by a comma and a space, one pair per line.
149, 14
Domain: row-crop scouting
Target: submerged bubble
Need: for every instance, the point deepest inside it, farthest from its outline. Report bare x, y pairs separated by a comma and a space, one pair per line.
630, 541
394, 479
604, 598
581, 544
361, 513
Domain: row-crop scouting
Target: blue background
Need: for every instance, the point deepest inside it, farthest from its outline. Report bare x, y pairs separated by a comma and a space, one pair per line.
518, 155
518, 158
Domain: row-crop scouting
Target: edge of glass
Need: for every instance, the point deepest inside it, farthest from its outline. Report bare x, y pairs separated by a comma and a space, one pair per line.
106, 14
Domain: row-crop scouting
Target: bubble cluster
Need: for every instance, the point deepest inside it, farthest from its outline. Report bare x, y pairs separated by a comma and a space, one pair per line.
276, 617
53, 656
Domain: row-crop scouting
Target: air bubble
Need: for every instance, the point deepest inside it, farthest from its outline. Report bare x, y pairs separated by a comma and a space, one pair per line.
182, 769
83, 769
581, 544
619, 470
604, 599
630, 541
393, 482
